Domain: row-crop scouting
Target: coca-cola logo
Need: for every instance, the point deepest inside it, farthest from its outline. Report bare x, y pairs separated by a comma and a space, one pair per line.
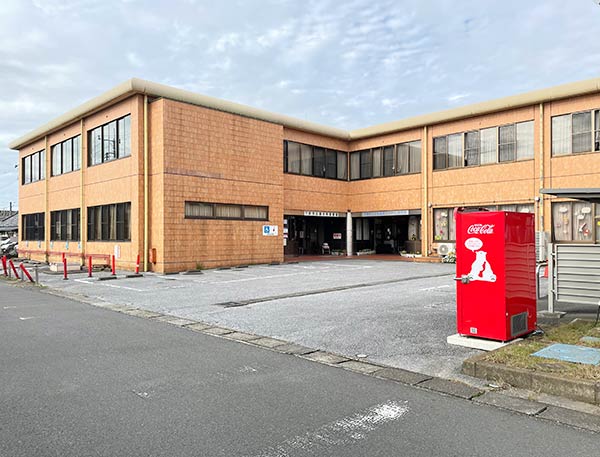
480, 229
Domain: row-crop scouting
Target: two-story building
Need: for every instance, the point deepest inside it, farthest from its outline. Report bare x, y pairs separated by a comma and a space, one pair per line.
184, 180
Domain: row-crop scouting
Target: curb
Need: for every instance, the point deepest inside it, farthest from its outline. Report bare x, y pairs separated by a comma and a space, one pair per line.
573, 389
585, 421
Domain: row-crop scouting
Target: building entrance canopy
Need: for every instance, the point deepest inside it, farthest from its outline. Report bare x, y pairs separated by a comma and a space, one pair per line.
591, 195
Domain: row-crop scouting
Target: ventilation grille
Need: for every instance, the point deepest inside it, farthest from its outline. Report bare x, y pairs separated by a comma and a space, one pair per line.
518, 324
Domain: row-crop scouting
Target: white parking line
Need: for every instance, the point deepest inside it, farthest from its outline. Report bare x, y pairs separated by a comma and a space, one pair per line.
343, 432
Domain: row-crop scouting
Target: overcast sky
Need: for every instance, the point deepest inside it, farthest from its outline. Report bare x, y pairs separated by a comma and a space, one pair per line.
347, 64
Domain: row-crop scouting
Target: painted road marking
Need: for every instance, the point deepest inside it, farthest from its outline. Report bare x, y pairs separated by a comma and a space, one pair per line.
114, 286
9, 307
434, 288
342, 432
26, 318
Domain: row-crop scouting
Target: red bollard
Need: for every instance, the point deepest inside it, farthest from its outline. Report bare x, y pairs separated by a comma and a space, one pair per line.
89, 266
4, 265
65, 267
25, 272
114, 271
137, 265
12, 265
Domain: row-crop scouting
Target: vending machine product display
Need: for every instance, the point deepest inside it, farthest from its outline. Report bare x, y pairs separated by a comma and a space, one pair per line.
495, 274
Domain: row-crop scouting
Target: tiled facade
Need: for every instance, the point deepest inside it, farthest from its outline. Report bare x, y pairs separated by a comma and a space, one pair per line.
201, 154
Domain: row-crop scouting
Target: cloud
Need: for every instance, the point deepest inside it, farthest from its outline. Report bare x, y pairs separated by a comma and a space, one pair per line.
347, 64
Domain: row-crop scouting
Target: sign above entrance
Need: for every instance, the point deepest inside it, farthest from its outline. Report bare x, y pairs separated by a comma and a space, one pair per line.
400, 212
270, 230
321, 214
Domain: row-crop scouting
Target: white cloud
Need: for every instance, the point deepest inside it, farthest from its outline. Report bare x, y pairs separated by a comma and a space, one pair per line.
348, 64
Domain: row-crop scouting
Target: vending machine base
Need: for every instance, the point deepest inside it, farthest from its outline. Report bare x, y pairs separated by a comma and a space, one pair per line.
478, 343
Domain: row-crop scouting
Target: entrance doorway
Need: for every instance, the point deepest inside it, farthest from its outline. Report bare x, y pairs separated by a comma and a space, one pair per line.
387, 234
314, 235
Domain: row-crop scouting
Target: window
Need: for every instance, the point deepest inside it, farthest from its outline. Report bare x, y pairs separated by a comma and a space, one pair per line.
507, 143
472, 148
455, 150
65, 156
109, 222
576, 133
306, 157
440, 153
342, 165
366, 164
377, 164
319, 167
355, 165
444, 228
414, 148
315, 161
110, 141
388, 161
64, 225
34, 167
573, 221
331, 164
293, 157
561, 135
203, 210
33, 227
488, 145
525, 140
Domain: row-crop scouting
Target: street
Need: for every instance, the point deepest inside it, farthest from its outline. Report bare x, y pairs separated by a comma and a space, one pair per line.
78, 380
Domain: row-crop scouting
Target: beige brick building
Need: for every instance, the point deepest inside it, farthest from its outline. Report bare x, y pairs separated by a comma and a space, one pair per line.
185, 180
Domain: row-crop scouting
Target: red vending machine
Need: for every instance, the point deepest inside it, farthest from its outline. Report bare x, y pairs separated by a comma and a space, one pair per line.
495, 274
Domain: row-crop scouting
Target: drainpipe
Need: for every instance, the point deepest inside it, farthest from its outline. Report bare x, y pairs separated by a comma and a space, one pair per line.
82, 211
541, 227
146, 241
425, 229
349, 233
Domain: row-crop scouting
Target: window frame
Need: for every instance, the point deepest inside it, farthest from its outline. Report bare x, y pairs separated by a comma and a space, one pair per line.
95, 157
27, 165
104, 219
57, 153
242, 207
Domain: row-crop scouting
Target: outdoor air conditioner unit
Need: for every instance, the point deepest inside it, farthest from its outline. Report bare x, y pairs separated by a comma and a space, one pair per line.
446, 248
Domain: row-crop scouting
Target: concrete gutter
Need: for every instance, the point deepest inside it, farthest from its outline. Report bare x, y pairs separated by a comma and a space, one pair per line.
140, 86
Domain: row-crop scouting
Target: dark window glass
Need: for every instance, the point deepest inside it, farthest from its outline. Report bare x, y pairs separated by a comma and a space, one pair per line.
366, 164
507, 143
319, 167
33, 227
330, 163
110, 141
109, 222
440, 153
597, 137
388, 161
582, 132
472, 144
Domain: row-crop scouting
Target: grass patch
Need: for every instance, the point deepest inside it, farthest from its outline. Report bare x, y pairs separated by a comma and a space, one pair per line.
519, 355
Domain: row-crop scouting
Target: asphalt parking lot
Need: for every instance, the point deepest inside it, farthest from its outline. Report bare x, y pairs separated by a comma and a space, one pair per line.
395, 313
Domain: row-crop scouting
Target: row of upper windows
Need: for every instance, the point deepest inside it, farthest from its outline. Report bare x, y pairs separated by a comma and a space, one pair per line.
108, 142
505, 143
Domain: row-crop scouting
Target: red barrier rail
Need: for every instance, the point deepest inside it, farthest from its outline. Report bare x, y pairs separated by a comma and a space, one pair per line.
65, 268
25, 272
114, 270
12, 265
4, 265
